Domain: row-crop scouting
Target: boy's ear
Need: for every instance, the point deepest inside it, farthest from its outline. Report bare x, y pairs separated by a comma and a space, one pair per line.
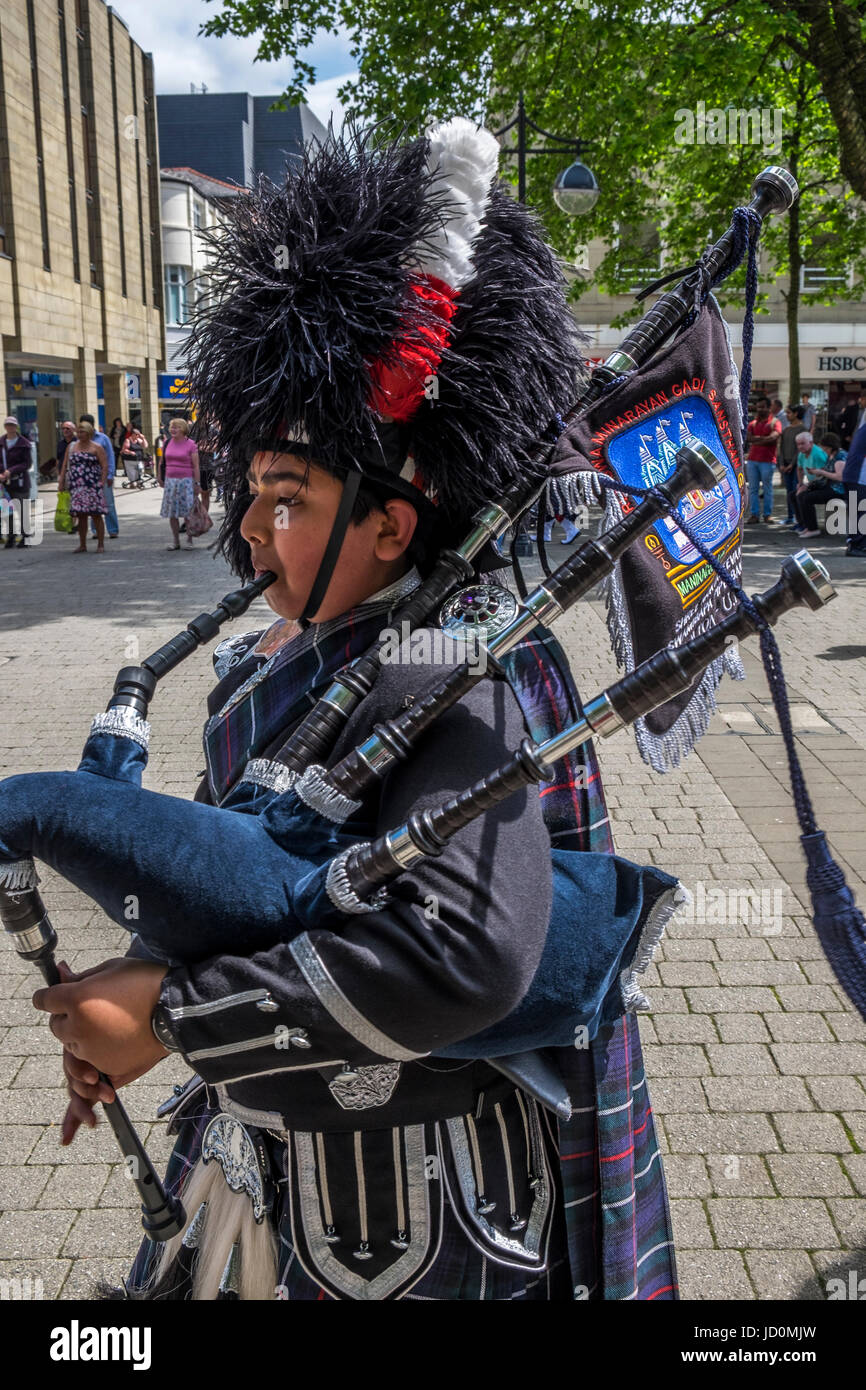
397, 522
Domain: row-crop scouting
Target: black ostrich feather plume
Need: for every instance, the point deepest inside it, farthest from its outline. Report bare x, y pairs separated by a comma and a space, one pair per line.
311, 285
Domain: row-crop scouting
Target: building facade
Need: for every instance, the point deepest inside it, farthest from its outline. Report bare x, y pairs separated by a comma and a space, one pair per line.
80, 253
192, 204
832, 338
233, 136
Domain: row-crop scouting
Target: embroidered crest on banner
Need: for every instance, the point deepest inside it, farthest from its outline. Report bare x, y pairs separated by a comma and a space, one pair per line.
641, 447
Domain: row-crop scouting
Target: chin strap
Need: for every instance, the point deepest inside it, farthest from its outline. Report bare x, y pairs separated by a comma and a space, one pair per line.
332, 549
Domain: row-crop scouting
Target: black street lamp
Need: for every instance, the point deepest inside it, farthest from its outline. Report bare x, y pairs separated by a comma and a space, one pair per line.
576, 189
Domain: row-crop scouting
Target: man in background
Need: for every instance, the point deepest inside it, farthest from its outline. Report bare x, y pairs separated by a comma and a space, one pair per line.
762, 442
809, 413
68, 433
788, 460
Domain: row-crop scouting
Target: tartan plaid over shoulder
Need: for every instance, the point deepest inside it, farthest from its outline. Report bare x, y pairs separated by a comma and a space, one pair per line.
620, 1241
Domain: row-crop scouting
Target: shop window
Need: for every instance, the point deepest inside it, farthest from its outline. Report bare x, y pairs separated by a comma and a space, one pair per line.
37, 133
175, 294
821, 267
88, 144
70, 151
815, 277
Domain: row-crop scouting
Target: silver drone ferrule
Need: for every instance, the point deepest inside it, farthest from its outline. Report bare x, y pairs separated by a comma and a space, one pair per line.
30, 942
620, 362
817, 576
402, 848
490, 522
374, 753
22, 912
339, 697
599, 719
539, 607
784, 184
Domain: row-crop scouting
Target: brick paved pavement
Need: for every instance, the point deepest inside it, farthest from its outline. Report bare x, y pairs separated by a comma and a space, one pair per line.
757, 1063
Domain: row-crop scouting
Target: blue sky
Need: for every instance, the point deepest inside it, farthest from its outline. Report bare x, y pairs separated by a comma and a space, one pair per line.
169, 30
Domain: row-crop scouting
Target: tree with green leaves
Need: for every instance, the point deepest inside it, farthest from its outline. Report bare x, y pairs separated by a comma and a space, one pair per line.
625, 77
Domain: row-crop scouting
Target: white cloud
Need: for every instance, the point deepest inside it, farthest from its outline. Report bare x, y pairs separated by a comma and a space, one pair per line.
323, 101
169, 30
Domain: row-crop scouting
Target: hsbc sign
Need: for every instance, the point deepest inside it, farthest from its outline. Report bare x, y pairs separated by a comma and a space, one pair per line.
842, 364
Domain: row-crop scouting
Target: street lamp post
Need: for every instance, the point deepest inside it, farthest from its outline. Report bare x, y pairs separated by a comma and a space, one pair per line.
575, 190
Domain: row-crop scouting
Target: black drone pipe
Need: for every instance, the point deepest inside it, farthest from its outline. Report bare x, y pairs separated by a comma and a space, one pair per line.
364, 869
35, 939
774, 191
134, 686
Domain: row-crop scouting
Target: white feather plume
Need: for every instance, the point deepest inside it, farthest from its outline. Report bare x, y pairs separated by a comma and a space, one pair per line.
465, 159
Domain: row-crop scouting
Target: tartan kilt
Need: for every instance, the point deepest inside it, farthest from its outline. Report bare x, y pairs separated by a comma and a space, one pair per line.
610, 1237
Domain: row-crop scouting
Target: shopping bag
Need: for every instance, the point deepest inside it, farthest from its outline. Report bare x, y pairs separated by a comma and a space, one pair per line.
198, 520
62, 516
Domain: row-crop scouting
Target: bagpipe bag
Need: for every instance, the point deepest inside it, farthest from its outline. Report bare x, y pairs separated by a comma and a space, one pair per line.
192, 879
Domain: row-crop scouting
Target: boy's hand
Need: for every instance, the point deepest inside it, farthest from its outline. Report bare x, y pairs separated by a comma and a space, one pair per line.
103, 1015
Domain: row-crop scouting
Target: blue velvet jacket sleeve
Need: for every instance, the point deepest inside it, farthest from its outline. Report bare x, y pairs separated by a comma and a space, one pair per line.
453, 951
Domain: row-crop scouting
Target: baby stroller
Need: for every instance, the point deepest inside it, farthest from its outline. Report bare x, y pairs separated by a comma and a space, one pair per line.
133, 457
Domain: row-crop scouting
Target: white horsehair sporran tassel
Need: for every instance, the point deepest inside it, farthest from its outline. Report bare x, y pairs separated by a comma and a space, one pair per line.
228, 1220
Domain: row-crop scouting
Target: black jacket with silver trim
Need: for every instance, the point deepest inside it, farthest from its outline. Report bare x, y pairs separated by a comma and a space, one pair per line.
453, 951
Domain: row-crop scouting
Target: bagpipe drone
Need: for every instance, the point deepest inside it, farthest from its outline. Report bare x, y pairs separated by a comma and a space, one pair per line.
287, 858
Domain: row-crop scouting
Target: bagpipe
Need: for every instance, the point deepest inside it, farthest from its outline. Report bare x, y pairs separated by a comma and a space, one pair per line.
295, 863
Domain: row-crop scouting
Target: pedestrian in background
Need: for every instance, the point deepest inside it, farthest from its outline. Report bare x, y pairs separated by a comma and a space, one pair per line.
780, 414
159, 456
68, 433
182, 478
762, 440
134, 450
85, 474
809, 412
788, 461
853, 416
16, 458
810, 462
117, 435
205, 437
825, 482
103, 441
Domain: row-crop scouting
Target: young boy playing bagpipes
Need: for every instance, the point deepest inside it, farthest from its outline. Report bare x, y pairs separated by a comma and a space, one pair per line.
389, 340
